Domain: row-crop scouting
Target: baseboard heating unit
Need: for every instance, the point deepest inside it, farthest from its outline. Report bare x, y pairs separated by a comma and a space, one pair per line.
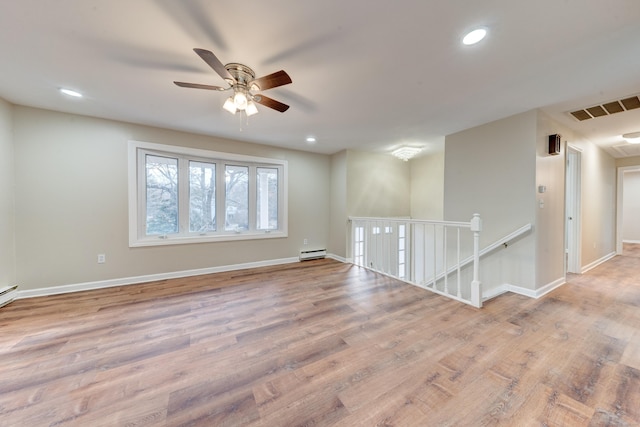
312, 254
7, 294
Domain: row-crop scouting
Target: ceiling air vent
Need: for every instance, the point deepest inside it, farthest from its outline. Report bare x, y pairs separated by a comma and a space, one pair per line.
613, 107
608, 108
631, 103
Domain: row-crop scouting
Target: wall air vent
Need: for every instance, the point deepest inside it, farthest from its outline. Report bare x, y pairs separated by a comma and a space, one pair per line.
606, 109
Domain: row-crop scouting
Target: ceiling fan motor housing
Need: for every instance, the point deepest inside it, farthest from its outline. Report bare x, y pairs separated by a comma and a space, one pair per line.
243, 74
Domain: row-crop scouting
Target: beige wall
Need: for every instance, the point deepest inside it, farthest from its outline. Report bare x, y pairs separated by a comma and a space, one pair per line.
628, 161
377, 185
338, 239
550, 218
598, 193
7, 207
495, 169
427, 186
70, 177
71, 202
598, 197
490, 170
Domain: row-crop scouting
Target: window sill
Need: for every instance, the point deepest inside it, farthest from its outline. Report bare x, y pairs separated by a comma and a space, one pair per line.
182, 240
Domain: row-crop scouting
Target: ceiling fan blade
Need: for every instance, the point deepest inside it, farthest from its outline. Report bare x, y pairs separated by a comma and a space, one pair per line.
271, 103
279, 78
213, 62
199, 86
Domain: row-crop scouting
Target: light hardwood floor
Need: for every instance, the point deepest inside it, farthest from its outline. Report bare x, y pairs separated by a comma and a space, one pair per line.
324, 343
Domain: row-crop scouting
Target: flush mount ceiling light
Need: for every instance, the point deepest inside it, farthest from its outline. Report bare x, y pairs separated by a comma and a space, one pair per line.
406, 153
70, 92
632, 138
474, 36
311, 140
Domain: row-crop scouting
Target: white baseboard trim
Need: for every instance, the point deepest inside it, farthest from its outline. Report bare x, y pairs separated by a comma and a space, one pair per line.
537, 293
596, 263
337, 258
635, 242
64, 289
494, 292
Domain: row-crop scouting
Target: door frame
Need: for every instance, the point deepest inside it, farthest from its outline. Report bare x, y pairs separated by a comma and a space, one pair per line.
573, 204
619, 201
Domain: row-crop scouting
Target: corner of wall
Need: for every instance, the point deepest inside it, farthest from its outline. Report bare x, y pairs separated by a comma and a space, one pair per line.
7, 197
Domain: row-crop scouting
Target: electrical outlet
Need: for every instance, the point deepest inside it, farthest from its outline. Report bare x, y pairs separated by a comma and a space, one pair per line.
102, 258
305, 241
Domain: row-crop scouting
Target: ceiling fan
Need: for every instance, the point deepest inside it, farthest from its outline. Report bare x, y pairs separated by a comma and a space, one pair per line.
243, 81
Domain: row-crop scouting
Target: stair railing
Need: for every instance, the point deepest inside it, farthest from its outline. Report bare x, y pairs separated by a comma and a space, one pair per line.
429, 254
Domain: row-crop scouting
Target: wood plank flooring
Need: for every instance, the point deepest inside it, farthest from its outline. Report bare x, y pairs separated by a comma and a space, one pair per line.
323, 343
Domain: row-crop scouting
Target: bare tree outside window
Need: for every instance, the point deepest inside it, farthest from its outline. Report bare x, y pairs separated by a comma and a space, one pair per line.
236, 198
267, 195
202, 197
162, 195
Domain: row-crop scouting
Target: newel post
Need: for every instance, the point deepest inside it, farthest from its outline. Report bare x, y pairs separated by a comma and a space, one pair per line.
476, 286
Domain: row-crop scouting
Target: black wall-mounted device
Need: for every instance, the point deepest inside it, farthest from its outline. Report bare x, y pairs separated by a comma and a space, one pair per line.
554, 144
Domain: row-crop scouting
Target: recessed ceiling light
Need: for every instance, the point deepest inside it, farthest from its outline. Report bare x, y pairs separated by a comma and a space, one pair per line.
311, 140
71, 93
474, 36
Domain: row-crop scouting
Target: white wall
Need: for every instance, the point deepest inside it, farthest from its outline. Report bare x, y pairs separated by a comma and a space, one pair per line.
631, 207
7, 206
427, 186
71, 202
491, 170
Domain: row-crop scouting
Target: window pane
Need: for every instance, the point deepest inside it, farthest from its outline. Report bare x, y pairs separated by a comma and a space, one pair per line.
202, 197
237, 198
267, 193
161, 194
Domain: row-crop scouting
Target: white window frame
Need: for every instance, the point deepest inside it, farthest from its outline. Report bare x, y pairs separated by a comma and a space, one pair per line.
136, 190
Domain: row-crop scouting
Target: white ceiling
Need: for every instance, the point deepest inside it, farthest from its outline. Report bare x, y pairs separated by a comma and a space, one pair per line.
367, 74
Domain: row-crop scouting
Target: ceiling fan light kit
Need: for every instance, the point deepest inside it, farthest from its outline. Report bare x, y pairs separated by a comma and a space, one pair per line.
251, 109
230, 106
243, 81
